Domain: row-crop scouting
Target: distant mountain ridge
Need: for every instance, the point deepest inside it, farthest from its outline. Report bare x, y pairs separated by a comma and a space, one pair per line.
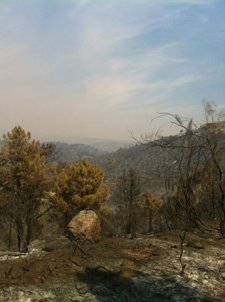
105, 145
73, 152
69, 153
88, 148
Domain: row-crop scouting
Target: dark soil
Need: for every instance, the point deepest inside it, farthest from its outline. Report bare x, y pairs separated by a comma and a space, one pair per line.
119, 269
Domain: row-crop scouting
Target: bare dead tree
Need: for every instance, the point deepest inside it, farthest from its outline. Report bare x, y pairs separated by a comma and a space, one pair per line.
128, 188
192, 151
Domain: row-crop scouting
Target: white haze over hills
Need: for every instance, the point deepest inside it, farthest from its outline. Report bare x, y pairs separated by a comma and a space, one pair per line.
106, 145
85, 148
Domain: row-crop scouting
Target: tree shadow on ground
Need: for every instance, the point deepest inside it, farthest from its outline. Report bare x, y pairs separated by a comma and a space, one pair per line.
108, 286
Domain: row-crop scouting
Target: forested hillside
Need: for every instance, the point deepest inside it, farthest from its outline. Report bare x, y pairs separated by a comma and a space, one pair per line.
69, 153
154, 161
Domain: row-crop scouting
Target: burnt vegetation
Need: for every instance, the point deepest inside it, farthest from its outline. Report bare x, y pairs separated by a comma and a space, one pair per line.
166, 186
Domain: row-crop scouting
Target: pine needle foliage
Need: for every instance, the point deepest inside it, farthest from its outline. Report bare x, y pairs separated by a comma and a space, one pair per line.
81, 186
24, 181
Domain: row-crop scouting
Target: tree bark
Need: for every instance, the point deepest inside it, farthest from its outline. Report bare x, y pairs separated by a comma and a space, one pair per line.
10, 235
150, 221
28, 235
19, 227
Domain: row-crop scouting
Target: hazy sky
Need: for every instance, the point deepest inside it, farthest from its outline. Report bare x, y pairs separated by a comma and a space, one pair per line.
101, 68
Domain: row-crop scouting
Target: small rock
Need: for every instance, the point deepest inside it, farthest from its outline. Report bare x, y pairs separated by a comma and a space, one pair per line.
156, 253
82, 288
223, 275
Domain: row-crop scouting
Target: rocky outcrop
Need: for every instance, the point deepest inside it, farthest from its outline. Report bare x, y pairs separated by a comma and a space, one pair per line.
86, 225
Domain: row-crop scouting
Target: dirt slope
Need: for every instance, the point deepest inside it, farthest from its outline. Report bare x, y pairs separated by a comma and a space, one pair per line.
145, 269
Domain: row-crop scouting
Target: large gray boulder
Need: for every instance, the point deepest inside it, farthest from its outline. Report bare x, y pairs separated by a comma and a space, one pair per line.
86, 225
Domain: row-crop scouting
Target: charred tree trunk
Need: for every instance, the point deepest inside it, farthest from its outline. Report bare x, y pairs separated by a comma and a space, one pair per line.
10, 235
150, 221
28, 235
19, 228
